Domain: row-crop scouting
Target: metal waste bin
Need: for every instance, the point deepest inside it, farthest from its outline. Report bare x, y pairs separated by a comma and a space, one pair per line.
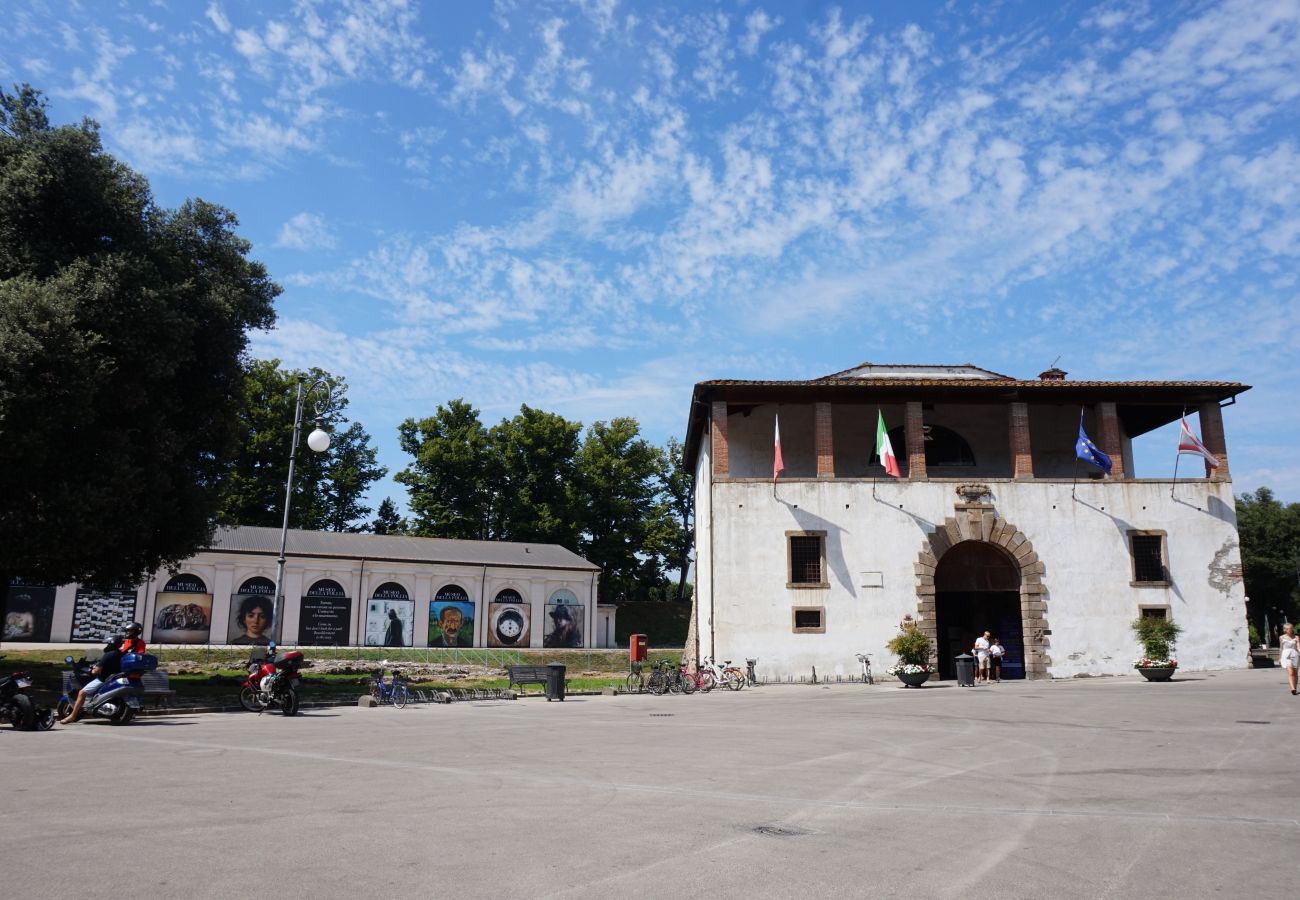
965, 670
555, 681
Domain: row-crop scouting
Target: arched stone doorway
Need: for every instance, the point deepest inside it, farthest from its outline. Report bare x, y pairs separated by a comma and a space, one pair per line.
976, 522
977, 589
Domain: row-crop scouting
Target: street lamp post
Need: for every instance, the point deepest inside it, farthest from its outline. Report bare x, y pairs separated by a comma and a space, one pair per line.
319, 442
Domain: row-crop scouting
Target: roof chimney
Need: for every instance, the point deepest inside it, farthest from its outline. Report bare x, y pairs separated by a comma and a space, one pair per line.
1053, 374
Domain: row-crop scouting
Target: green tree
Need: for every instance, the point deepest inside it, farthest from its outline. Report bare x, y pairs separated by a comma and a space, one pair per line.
388, 520
122, 331
451, 480
534, 457
618, 480
1270, 554
677, 523
327, 487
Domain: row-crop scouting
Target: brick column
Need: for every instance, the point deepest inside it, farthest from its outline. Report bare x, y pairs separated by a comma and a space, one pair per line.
1110, 438
1022, 460
825, 441
721, 455
1212, 437
912, 423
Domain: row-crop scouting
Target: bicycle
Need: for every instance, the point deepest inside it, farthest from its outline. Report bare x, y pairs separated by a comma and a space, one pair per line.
866, 668
635, 679
660, 679
730, 676
394, 691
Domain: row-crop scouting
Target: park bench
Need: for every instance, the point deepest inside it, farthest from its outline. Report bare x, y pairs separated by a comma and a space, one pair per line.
522, 675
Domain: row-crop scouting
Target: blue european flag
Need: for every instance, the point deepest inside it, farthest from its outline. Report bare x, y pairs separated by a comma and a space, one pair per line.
1089, 452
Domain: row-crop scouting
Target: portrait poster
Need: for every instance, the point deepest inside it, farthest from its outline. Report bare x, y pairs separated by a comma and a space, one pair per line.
564, 617
182, 612
509, 625
29, 611
451, 618
98, 615
324, 621
390, 618
252, 613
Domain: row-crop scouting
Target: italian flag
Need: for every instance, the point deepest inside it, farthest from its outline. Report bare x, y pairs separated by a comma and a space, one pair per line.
884, 449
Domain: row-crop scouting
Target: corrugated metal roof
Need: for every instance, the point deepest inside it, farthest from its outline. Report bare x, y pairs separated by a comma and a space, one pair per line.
398, 548
982, 383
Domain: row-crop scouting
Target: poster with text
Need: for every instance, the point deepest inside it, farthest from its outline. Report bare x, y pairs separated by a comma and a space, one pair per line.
182, 611
29, 611
98, 615
509, 625
252, 613
324, 621
451, 618
563, 621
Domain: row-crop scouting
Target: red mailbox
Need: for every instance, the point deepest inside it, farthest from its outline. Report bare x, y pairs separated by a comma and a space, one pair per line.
636, 645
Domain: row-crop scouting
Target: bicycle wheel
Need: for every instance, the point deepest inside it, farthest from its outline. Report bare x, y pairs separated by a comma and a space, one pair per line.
635, 684
400, 696
707, 681
376, 692
735, 679
658, 684
688, 683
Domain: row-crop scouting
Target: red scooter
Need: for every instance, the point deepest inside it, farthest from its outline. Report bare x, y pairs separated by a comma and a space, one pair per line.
272, 681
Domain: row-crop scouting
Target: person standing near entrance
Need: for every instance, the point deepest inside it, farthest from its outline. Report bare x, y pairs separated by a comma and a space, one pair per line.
1290, 645
996, 652
982, 658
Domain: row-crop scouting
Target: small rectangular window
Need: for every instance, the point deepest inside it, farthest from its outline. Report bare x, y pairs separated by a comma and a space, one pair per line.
1154, 612
1148, 558
806, 553
808, 620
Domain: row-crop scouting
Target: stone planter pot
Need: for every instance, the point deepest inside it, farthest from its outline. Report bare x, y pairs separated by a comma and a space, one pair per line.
913, 679
1163, 673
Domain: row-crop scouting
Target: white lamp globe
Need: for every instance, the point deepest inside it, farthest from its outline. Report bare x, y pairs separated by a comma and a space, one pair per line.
319, 440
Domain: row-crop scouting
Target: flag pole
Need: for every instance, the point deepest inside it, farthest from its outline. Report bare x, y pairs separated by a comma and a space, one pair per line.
1177, 457
1074, 479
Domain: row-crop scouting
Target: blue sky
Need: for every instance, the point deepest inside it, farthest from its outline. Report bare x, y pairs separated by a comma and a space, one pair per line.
589, 206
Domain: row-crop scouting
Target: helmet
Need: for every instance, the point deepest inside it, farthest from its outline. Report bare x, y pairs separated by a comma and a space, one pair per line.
115, 641
135, 629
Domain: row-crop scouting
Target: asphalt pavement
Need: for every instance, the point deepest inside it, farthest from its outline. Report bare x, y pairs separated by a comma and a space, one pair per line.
1082, 788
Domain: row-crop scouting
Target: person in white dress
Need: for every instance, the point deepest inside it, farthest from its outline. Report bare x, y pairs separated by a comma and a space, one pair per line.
1290, 653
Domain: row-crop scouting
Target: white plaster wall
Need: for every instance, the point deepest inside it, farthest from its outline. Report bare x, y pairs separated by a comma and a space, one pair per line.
1082, 543
751, 441
703, 596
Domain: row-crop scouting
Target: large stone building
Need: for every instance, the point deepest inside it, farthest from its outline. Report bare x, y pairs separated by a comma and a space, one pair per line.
992, 524
340, 589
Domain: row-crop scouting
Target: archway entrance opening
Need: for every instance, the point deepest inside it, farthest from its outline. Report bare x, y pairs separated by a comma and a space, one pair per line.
977, 589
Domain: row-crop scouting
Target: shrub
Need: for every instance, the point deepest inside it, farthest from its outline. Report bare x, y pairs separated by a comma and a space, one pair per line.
911, 646
1157, 637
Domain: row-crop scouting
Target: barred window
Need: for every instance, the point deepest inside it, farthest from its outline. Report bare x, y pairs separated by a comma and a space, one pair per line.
1148, 558
806, 559
807, 619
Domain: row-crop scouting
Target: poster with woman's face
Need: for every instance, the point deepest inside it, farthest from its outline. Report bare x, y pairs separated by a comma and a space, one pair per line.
390, 623
252, 613
182, 612
98, 615
509, 625
451, 618
29, 612
563, 621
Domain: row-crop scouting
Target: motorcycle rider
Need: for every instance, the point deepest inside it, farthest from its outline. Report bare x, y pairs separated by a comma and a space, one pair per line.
110, 662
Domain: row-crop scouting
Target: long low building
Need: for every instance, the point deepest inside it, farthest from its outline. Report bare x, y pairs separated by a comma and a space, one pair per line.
991, 523
339, 590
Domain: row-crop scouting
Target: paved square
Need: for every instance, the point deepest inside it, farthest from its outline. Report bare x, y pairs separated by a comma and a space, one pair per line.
1099, 788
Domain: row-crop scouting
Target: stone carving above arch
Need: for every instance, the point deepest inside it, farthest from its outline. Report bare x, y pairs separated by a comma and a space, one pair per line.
984, 524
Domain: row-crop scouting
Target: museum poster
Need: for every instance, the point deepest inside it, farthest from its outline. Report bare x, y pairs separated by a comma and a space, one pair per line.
451, 618
563, 621
29, 611
390, 617
182, 611
324, 621
252, 613
98, 615
509, 625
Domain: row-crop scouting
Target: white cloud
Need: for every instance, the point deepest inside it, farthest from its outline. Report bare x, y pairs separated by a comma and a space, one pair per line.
306, 231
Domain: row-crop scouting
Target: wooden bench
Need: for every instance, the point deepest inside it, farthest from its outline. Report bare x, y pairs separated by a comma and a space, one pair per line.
522, 675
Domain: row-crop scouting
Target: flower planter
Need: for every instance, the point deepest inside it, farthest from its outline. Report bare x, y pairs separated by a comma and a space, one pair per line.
913, 679
1158, 673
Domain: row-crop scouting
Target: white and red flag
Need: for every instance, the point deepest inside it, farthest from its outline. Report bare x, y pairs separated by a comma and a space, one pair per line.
1189, 443
884, 449
778, 464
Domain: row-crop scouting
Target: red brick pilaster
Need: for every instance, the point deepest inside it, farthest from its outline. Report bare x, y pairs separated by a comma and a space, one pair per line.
721, 456
1022, 460
1212, 437
825, 441
1111, 444
915, 436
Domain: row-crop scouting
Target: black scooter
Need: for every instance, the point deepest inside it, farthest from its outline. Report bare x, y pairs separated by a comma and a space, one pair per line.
18, 708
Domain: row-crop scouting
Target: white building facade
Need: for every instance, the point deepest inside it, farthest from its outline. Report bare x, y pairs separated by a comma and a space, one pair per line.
339, 590
992, 526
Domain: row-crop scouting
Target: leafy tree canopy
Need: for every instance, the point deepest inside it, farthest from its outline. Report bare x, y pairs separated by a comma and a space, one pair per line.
122, 331
1270, 554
